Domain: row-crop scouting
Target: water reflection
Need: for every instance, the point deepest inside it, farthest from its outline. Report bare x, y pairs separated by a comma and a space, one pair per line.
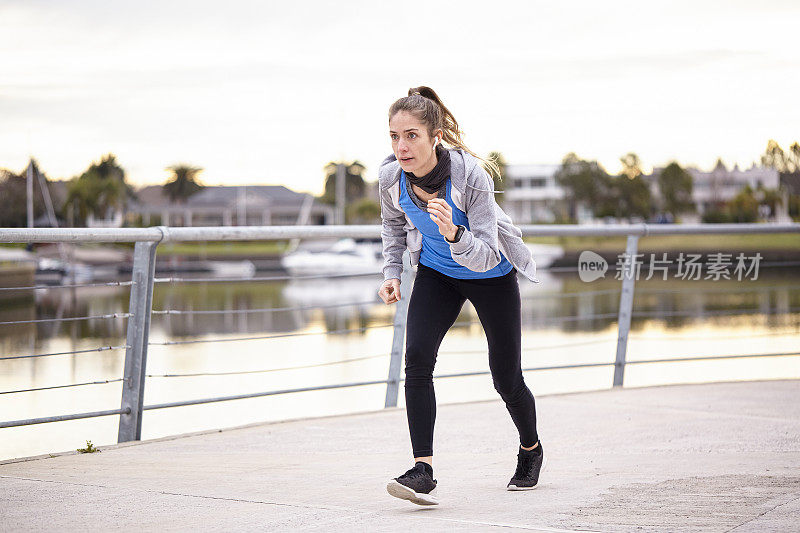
184, 310
565, 321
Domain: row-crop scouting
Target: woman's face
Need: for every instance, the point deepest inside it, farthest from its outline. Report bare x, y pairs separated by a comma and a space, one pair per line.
411, 144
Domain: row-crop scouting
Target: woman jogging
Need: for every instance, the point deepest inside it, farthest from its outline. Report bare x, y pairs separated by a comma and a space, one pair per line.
439, 204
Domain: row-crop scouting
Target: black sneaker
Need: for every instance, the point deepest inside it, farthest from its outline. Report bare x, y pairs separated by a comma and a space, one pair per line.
416, 486
530, 464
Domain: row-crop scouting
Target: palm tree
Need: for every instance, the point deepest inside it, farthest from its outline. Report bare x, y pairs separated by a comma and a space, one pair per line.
183, 182
100, 189
354, 182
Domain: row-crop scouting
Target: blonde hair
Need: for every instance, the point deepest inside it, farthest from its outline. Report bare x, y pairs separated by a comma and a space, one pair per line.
424, 104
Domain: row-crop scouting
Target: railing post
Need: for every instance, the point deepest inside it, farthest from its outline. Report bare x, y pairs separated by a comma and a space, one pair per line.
144, 263
625, 308
400, 315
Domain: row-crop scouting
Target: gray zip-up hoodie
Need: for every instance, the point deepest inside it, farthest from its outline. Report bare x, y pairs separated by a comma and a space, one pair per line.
472, 190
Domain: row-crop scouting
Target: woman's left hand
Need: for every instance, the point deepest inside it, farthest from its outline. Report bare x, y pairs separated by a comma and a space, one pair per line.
442, 215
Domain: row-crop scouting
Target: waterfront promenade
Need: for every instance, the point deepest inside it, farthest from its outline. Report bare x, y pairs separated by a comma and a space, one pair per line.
711, 457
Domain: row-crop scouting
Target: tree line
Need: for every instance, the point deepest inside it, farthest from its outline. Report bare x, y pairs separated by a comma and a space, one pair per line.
98, 191
628, 196
103, 188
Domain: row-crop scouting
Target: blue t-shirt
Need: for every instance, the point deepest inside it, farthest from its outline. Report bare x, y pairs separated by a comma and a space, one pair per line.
435, 250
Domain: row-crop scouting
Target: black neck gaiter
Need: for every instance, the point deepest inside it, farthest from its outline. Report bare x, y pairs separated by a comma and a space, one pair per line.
434, 180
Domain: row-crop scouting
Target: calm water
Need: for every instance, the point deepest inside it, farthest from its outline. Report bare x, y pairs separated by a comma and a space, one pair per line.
564, 322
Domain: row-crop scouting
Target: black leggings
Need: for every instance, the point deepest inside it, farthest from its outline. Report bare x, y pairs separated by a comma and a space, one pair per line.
435, 303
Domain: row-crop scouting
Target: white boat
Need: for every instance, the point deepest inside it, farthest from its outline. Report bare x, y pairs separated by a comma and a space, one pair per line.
237, 269
52, 270
345, 256
321, 292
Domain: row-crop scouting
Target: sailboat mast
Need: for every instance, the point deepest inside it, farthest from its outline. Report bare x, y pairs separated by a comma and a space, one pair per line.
30, 193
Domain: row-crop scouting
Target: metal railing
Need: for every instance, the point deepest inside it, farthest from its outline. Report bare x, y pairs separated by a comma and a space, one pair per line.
143, 280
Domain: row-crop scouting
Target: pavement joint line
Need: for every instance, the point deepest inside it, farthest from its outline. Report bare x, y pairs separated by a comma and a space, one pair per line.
58, 482
765, 512
305, 506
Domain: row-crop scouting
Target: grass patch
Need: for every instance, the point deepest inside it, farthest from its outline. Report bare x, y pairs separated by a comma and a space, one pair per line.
237, 248
90, 448
774, 241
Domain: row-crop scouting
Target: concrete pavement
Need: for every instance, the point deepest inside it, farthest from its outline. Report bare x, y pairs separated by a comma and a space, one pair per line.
714, 457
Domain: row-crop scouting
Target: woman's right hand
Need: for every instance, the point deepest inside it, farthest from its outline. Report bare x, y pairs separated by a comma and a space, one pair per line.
390, 291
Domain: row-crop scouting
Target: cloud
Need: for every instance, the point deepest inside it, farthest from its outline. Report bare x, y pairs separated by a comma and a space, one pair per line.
257, 91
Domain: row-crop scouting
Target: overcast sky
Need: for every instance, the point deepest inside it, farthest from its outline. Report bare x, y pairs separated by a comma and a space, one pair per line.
268, 92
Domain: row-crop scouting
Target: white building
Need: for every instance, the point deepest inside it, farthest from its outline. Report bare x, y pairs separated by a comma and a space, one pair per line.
721, 184
532, 194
